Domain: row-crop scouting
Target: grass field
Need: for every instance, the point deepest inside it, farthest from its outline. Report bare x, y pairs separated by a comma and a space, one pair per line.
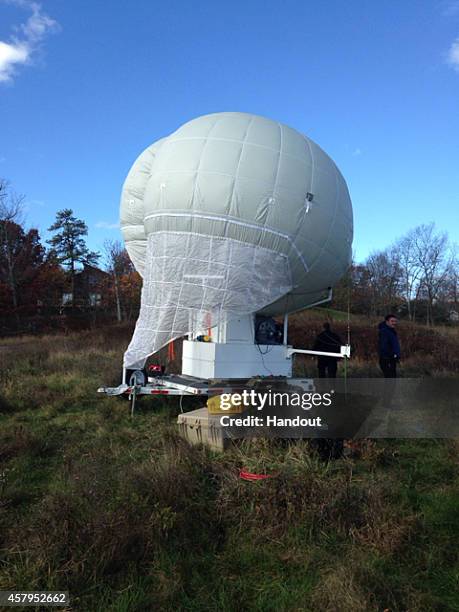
127, 517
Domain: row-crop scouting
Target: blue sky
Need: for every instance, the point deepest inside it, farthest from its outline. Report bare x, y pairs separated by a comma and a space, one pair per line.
85, 86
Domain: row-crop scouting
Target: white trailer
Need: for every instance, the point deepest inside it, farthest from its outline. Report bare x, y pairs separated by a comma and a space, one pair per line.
229, 357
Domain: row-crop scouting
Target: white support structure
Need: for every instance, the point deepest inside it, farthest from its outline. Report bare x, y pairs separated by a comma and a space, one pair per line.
284, 340
345, 351
212, 360
232, 354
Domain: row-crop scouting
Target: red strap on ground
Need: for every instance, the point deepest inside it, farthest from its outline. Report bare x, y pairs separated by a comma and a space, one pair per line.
249, 476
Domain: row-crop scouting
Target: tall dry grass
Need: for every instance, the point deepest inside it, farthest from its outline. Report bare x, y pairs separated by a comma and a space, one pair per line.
127, 516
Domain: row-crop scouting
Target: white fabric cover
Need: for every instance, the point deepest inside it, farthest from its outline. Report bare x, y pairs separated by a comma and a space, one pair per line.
192, 281
243, 179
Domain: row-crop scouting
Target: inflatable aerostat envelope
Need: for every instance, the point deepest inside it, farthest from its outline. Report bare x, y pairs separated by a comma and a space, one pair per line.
231, 214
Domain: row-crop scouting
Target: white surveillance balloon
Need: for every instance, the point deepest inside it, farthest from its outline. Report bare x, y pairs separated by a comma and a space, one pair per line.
231, 214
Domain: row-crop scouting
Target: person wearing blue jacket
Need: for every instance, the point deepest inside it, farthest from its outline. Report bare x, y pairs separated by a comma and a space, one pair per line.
388, 346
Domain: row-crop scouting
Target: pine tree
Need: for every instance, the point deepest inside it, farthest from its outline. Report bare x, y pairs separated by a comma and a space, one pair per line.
69, 245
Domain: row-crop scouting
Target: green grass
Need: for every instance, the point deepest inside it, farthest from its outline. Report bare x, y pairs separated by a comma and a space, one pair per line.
126, 516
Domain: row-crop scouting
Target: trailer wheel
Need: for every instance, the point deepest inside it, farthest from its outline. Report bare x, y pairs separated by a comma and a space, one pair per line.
133, 378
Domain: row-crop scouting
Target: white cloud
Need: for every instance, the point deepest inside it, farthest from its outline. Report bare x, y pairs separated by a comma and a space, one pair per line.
453, 55
357, 152
24, 44
11, 54
107, 225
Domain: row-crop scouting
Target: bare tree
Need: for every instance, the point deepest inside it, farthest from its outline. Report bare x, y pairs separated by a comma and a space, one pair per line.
11, 204
112, 250
433, 260
116, 258
12, 215
454, 279
409, 270
384, 276
451, 286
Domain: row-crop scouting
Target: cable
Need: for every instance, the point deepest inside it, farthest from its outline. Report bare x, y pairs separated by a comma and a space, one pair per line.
348, 332
268, 350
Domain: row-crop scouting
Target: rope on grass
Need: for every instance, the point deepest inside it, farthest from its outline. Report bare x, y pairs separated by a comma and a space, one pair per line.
250, 476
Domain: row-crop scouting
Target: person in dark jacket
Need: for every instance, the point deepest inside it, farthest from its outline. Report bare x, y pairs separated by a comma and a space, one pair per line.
328, 342
388, 346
